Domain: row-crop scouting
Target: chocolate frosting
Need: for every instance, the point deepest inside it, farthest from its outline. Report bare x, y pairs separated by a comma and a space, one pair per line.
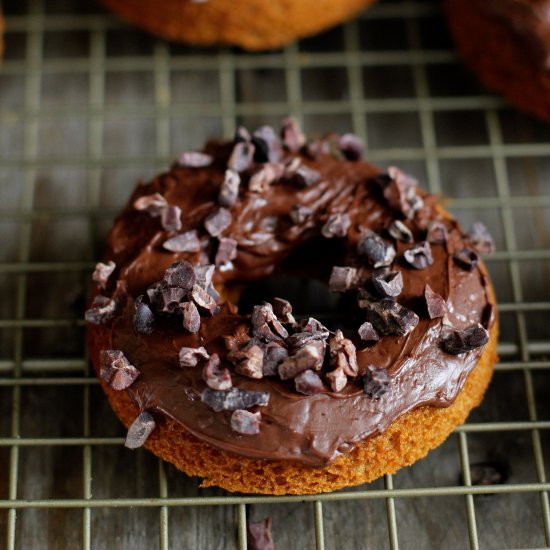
314, 429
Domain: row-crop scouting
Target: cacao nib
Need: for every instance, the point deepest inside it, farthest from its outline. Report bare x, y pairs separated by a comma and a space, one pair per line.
263, 178
387, 283
167, 300
379, 253
103, 310
203, 276
229, 190
400, 192
218, 221
103, 272
194, 159
189, 357
140, 430
437, 233
399, 231
227, 251
268, 145
180, 275
274, 354
466, 258
116, 370
265, 324
203, 300
233, 399
215, 376
376, 382
170, 218
144, 319
368, 333
337, 225
242, 134
463, 341
308, 383
310, 356
241, 156
351, 146
300, 214
488, 315
435, 304
259, 535
337, 379
246, 422
152, 204
343, 354
419, 256
481, 239
248, 360
191, 317
342, 279
305, 176
283, 310
184, 242
293, 137
389, 317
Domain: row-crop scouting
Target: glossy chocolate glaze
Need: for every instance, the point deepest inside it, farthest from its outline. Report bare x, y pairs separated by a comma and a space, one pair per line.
312, 430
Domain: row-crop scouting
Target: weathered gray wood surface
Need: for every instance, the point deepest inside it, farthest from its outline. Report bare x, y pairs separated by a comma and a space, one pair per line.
67, 130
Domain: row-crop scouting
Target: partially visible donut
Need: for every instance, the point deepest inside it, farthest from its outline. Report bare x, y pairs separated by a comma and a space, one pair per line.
264, 402
251, 24
507, 44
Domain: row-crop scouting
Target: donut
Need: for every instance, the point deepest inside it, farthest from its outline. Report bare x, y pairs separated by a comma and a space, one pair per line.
266, 400
507, 44
250, 24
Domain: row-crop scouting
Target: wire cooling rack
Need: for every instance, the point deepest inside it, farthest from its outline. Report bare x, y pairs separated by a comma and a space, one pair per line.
87, 107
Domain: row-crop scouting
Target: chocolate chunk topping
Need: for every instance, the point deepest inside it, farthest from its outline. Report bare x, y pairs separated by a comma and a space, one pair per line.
342, 278
180, 275
437, 233
265, 176
351, 146
116, 370
144, 319
487, 315
233, 399
265, 324
434, 303
184, 242
387, 283
309, 383
368, 333
466, 258
218, 221
194, 159
463, 341
140, 430
299, 214
337, 225
293, 137
189, 357
170, 218
203, 300
191, 317
215, 376
241, 156
400, 192
399, 231
227, 251
274, 354
310, 356
152, 204
419, 256
379, 253
248, 360
259, 535
389, 317
343, 354
337, 379
481, 239
229, 190
246, 422
103, 309
376, 382
103, 272
268, 145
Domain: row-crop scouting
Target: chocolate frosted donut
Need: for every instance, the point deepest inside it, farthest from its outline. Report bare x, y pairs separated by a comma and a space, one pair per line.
507, 44
266, 401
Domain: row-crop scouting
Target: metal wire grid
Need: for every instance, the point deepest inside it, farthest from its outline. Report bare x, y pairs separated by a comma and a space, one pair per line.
522, 354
